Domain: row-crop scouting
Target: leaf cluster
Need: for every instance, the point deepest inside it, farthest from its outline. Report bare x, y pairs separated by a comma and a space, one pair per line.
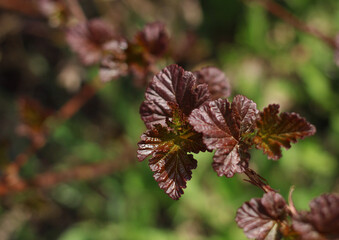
183, 113
96, 42
270, 217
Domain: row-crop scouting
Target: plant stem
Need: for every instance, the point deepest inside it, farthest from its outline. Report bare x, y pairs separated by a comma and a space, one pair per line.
76, 9
283, 14
49, 179
82, 172
257, 180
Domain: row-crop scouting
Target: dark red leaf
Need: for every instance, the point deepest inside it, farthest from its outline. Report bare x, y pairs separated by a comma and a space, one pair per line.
246, 112
169, 161
275, 131
172, 85
218, 84
322, 222
260, 217
88, 40
223, 125
154, 39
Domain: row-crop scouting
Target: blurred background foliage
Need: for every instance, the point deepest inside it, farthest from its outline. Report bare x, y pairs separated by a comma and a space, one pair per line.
265, 59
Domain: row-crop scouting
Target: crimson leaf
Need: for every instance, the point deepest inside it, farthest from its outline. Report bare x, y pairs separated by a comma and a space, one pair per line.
224, 127
322, 222
172, 85
171, 164
260, 218
218, 84
153, 38
87, 39
274, 131
170, 98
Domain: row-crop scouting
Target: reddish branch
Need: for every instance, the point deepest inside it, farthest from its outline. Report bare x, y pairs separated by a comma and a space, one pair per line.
23, 6
282, 13
76, 10
82, 172
72, 106
76, 102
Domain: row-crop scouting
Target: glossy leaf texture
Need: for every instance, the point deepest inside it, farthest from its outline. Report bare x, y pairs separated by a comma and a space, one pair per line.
170, 98
153, 38
275, 131
322, 221
172, 85
169, 161
260, 218
224, 127
88, 39
218, 84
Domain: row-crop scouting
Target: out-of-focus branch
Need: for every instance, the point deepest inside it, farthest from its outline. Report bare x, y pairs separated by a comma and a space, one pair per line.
83, 172
66, 111
283, 14
76, 102
76, 10
26, 7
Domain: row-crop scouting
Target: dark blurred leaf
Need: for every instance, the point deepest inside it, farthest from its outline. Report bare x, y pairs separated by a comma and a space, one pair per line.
260, 217
138, 63
135, 57
171, 164
4, 153
172, 85
55, 10
322, 222
274, 131
336, 51
223, 125
90, 39
218, 84
153, 38
32, 115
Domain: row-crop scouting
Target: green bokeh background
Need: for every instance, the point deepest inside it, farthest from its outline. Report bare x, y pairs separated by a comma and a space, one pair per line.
265, 59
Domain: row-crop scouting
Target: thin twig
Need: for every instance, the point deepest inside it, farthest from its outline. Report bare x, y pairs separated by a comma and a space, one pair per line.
66, 111
76, 102
282, 13
83, 172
